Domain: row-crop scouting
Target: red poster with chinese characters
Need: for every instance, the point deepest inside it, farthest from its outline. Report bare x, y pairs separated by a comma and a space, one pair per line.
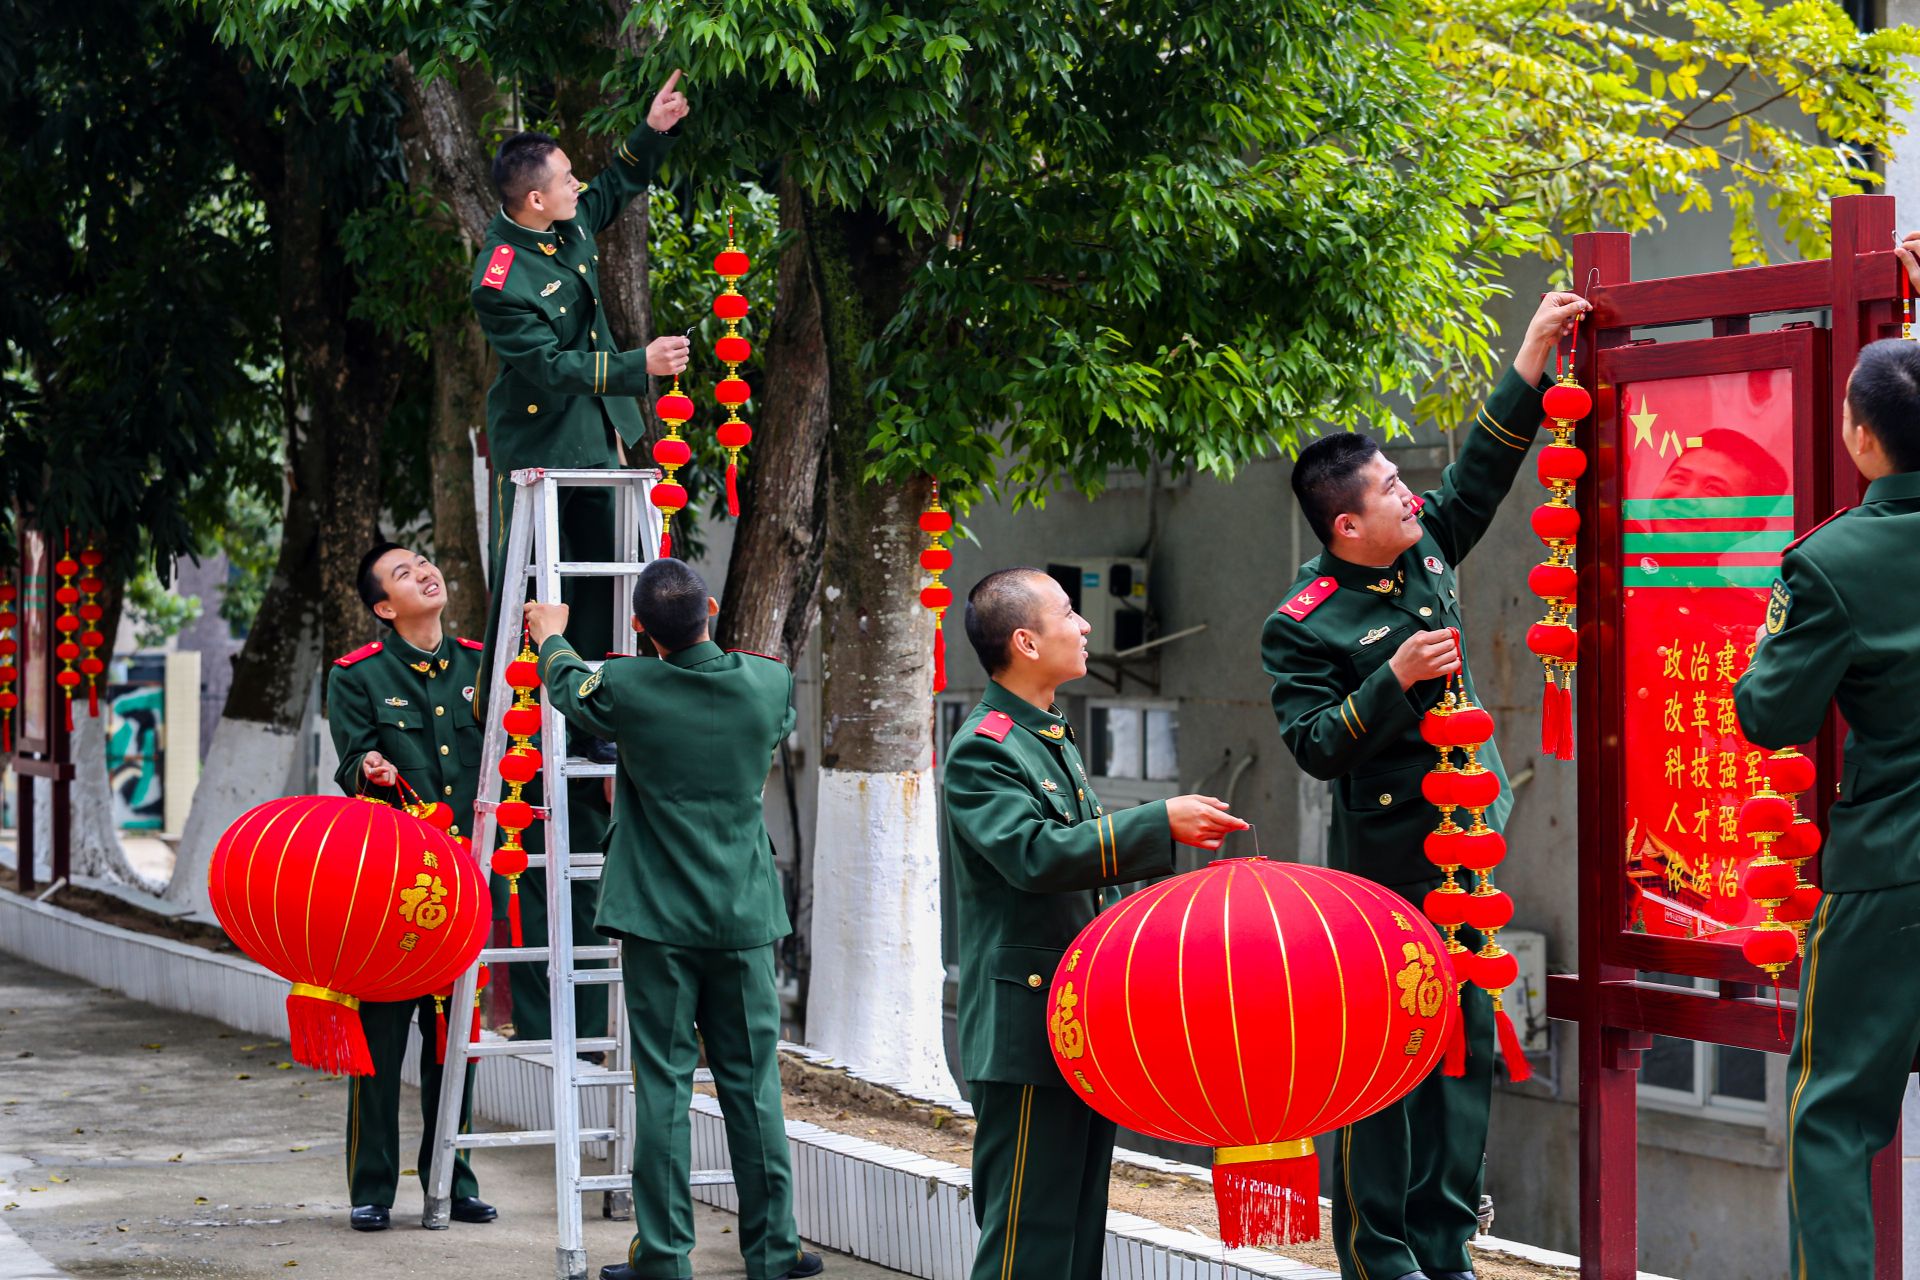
1707, 508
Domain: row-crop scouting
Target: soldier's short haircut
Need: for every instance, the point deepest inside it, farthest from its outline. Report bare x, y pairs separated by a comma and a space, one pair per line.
1884, 394
372, 590
670, 599
521, 165
1327, 481
999, 605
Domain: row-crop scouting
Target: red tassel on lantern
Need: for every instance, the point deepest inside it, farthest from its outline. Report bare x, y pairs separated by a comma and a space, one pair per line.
733, 351
1275, 1196
324, 1032
440, 999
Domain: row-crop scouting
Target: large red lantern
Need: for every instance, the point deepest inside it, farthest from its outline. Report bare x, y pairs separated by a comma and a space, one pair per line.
349, 900
1247, 1006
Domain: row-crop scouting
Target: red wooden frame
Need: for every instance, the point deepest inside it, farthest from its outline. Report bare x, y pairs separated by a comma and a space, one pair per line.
1617, 1015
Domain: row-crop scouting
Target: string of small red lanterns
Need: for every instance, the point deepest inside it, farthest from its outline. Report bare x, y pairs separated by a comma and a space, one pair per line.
9, 649
733, 351
518, 767
1553, 639
1456, 723
66, 595
670, 453
91, 612
1776, 879
936, 522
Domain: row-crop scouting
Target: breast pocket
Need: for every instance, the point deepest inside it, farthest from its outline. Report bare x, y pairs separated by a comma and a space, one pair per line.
404, 738
1385, 641
1386, 790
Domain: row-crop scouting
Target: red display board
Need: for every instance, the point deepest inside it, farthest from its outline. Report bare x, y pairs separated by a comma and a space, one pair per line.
1710, 453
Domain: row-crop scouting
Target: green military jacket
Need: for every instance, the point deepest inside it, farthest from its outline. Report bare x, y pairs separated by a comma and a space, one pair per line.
564, 382
1031, 848
1341, 709
1843, 626
416, 709
689, 861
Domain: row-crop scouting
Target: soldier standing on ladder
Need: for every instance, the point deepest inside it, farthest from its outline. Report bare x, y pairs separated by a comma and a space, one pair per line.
564, 397
692, 894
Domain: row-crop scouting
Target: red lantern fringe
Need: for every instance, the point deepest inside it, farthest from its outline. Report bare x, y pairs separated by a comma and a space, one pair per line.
6, 732
513, 911
325, 1034
1556, 719
69, 711
939, 657
1453, 1062
440, 1029
1518, 1068
733, 490
666, 544
1268, 1202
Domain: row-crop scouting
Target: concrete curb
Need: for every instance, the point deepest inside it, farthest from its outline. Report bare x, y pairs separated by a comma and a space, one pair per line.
892, 1207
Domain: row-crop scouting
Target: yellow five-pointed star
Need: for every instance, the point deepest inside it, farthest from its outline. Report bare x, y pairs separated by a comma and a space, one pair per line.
1643, 425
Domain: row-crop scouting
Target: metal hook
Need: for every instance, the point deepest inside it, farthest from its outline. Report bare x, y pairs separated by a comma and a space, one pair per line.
1592, 272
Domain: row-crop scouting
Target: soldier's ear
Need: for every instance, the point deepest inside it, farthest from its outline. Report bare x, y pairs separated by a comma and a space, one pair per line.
713, 607
385, 609
637, 628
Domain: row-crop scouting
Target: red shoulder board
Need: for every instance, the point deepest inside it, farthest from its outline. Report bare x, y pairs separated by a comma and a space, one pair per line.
995, 726
364, 651
496, 277
1419, 504
471, 644
751, 654
1817, 528
1309, 599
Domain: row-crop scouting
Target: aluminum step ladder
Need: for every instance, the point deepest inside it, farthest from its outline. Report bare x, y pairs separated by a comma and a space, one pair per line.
533, 543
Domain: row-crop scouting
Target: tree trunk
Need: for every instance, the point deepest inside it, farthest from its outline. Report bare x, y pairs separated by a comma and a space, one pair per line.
774, 575
462, 366
97, 850
876, 914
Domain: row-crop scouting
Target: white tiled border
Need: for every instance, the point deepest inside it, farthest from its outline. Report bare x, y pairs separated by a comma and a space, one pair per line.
896, 1208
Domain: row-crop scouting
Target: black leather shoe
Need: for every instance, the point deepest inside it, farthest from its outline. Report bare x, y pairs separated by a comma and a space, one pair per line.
370, 1217
809, 1265
620, 1271
473, 1209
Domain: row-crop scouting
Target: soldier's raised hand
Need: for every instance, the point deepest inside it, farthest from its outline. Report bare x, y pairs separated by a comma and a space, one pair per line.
669, 105
1201, 821
544, 620
375, 769
668, 356
1426, 655
1908, 251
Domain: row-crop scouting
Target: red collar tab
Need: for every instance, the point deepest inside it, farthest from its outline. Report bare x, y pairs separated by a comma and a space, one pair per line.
1817, 528
364, 651
996, 725
1311, 598
496, 277
471, 644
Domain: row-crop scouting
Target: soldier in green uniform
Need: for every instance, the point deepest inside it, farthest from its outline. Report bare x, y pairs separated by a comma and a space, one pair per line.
1843, 628
1358, 651
691, 892
564, 397
401, 710
1035, 857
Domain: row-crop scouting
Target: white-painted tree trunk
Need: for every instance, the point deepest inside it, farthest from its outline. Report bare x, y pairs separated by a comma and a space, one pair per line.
96, 835
875, 993
249, 764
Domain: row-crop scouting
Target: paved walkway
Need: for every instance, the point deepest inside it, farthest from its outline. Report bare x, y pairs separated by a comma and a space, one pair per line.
140, 1143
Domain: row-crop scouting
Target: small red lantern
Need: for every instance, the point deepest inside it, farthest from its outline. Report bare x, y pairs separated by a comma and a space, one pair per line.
519, 766
350, 900
1776, 880
670, 453
91, 612
1556, 523
936, 522
1247, 1006
732, 391
9, 659
67, 649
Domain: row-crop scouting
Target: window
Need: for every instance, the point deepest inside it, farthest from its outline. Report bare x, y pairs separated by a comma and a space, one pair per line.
1134, 740
1724, 1082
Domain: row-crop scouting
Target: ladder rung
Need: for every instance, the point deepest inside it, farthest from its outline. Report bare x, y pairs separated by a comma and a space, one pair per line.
598, 1077
578, 872
624, 1181
500, 1048
526, 1138
581, 767
579, 860
593, 977
585, 477
593, 568
711, 1178
522, 955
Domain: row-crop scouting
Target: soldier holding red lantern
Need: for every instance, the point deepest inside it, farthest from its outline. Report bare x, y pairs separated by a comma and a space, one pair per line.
393, 723
1359, 650
1841, 631
1035, 857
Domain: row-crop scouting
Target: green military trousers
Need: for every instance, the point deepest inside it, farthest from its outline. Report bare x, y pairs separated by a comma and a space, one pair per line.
587, 820
1041, 1159
1406, 1180
1853, 1047
586, 533
729, 998
373, 1105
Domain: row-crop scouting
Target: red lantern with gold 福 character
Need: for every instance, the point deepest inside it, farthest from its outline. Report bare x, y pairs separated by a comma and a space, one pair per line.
1556, 523
350, 900
732, 350
1247, 1006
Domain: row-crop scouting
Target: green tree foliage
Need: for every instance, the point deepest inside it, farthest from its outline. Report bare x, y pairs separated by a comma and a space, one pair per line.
137, 392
